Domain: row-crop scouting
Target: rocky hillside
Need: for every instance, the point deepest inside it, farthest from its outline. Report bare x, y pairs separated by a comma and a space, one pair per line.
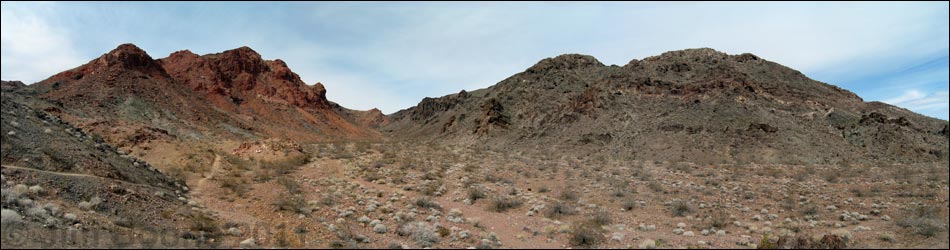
131, 98
58, 178
696, 105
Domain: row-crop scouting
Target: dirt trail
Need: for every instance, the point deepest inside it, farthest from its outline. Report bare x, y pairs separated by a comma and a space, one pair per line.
74, 175
202, 184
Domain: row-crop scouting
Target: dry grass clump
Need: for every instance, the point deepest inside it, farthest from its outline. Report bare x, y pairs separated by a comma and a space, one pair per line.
923, 220
681, 208
587, 234
502, 204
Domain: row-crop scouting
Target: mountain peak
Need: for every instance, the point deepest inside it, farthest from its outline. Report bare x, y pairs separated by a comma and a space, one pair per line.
244, 51
127, 56
239, 60
183, 53
689, 54
566, 61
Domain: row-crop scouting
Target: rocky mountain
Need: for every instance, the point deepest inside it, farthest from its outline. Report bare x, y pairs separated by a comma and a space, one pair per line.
130, 98
696, 105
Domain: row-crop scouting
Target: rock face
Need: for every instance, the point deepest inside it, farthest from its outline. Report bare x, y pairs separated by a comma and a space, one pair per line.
127, 96
241, 74
697, 105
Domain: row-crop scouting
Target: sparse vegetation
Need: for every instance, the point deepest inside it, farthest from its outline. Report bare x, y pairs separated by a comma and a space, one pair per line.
290, 185
559, 209
427, 203
568, 195
501, 204
291, 203
600, 217
421, 233
587, 234
475, 194
236, 185
923, 220
681, 208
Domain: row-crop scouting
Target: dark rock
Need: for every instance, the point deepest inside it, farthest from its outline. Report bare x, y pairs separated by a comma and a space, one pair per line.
763, 127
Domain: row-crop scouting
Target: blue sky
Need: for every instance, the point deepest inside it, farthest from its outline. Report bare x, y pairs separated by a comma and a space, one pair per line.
391, 55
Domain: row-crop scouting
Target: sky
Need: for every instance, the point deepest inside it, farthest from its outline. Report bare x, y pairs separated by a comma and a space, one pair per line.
389, 55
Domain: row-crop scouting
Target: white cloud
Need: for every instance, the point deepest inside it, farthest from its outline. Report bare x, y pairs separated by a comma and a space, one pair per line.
921, 102
32, 48
909, 95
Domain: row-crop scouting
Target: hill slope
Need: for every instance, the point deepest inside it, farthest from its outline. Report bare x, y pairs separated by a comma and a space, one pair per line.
696, 105
78, 183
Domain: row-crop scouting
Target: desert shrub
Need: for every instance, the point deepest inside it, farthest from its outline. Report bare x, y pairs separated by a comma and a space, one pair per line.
328, 199
831, 175
656, 186
718, 219
923, 220
568, 195
886, 237
285, 165
810, 209
427, 203
543, 190
629, 204
92, 204
749, 195
37, 190
237, 185
394, 245
586, 234
683, 167
513, 191
826, 242
504, 203
600, 217
291, 203
37, 212
123, 222
431, 188
289, 184
559, 209
203, 223
10, 196
789, 203
422, 233
681, 208
475, 194
802, 176
866, 192
767, 243
621, 192
443, 232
